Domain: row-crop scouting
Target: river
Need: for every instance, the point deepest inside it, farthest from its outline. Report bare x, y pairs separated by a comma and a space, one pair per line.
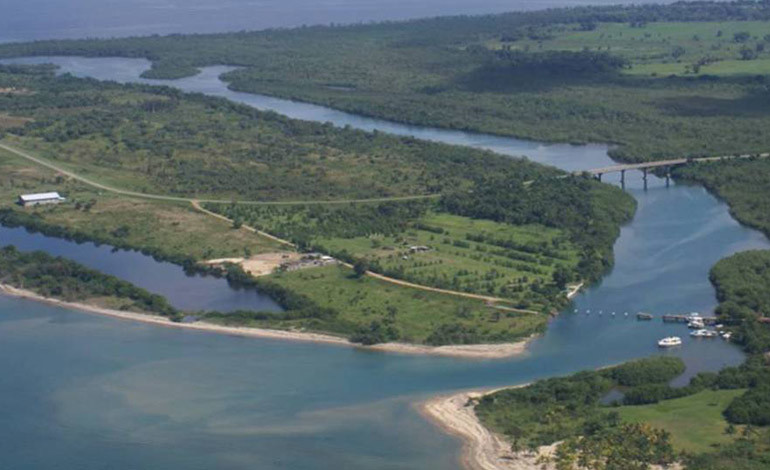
81, 390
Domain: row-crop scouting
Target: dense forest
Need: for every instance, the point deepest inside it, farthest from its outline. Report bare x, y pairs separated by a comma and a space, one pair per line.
742, 282
160, 140
692, 74
66, 280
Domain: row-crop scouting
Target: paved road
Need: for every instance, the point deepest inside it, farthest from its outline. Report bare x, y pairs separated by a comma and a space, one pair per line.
665, 163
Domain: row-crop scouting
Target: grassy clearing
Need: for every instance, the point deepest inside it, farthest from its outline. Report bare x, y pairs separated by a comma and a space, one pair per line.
414, 242
695, 422
467, 256
418, 316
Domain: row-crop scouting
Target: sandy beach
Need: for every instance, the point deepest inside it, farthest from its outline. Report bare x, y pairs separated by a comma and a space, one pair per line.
482, 449
480, 351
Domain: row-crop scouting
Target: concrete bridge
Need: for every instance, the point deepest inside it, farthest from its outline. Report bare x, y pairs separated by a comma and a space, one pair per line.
666, 165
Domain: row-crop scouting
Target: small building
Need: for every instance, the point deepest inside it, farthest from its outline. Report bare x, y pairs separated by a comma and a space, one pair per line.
418, 249
27, 200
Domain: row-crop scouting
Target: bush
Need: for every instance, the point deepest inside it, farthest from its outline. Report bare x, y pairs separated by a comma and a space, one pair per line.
753, 407
647, 371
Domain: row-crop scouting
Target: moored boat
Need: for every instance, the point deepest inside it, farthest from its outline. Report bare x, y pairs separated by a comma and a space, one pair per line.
670, 341
703, 333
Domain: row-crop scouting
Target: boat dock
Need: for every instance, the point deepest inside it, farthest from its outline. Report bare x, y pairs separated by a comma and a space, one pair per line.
687, 318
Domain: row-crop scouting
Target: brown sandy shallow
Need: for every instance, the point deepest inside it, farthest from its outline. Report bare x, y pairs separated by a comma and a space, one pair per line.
480, 351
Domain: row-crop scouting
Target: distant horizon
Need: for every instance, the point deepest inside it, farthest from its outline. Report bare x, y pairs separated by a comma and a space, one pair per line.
76, 19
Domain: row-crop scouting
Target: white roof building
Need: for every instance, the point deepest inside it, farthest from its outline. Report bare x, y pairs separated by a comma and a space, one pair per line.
40, 198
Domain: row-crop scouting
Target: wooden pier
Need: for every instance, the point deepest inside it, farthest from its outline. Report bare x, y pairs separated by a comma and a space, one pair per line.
686, 319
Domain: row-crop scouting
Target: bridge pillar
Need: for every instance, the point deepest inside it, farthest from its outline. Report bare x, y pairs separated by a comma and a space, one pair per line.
623, 178
599, 176
644, 170
668, 175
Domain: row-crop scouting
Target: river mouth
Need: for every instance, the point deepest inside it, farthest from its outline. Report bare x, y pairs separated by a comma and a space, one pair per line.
662, 262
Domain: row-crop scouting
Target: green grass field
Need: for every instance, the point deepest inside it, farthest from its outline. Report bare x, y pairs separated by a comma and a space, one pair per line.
695, 422
455, 262
414, 313
515, 262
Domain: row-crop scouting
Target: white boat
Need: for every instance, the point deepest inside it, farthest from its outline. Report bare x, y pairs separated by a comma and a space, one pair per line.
703, 333
670, 341
696, 324
726, 335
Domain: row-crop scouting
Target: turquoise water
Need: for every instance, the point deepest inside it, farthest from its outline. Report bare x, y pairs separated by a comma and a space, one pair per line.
80, 390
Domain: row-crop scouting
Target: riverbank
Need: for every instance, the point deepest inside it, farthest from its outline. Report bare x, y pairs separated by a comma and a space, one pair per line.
482, 449
476, 351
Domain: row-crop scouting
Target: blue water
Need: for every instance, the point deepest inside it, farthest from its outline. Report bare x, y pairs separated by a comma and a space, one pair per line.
44, 19
83, 390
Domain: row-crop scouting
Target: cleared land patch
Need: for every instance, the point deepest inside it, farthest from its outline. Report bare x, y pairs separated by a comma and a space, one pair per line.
696, 423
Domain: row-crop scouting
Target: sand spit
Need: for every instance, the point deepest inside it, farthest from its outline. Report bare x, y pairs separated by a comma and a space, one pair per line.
482, 449
480, 351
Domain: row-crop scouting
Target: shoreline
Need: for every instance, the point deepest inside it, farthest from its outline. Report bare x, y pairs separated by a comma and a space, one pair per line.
482, 449
475, 351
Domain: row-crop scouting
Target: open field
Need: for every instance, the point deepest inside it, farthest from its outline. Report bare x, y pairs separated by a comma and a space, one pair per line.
416, 316
696, 423
468, 255
170, 230
414, 243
